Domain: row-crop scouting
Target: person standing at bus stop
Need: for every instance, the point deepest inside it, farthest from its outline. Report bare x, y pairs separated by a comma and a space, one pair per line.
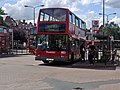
82, 52
91, 52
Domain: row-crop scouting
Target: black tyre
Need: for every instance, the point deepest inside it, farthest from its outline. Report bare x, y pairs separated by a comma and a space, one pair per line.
46, 61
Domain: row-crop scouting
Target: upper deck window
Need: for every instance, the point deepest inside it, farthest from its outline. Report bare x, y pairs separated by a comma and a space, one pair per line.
70, 18
73, 18
83, 25
53, 15
76, 21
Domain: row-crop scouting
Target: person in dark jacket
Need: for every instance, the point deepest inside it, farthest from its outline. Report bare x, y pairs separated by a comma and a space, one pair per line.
91, 52
82, 52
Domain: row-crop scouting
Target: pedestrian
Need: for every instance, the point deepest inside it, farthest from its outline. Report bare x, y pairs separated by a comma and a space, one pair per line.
82, 52
96, 52
91, 52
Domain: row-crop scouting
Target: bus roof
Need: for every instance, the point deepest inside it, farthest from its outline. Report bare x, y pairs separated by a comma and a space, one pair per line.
63, 9
55, 8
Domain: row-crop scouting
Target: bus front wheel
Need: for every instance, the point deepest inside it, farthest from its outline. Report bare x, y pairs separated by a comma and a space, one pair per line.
46, 62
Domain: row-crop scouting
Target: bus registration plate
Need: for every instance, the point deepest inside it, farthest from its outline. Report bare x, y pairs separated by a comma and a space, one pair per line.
49, 59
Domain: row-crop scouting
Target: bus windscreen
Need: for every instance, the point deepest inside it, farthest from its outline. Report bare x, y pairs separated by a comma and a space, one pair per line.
52, 42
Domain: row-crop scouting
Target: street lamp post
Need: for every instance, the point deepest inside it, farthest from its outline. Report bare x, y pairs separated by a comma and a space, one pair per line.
34, 10
103, 52
107, 15
103, 13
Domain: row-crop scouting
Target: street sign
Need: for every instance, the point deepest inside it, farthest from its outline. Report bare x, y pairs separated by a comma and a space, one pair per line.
95, 23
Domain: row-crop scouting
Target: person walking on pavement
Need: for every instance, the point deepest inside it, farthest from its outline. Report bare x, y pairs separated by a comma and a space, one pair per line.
82, 52
91, 52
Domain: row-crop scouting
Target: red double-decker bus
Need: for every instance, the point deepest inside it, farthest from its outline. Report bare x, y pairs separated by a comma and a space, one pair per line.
4, 40
32, 40
59, 35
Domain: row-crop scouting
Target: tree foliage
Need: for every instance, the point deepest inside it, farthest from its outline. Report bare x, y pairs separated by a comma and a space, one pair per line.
2, 22
2, 12
19, 35
112, 29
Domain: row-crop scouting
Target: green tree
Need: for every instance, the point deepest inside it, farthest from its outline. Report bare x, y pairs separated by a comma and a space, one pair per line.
112, 29
20, 35
2, 12
2, 22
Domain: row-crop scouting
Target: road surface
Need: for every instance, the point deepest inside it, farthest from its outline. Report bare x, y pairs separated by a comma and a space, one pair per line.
23, 73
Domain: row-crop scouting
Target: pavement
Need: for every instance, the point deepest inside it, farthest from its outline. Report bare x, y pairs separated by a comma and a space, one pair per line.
12, 55
101, 66
15, 53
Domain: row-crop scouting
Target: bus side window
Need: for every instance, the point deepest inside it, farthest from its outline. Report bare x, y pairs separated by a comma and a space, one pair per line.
70, 18
83, 25
46, 17
76, 21
73, 16
41, 16
80, 25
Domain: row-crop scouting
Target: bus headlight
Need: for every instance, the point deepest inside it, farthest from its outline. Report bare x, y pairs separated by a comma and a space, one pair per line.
63, 52
62, 56
37, 54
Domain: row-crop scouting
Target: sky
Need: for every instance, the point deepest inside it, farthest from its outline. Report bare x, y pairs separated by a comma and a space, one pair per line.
87, 10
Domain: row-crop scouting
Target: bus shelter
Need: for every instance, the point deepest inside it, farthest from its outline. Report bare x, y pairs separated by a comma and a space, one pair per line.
106, 48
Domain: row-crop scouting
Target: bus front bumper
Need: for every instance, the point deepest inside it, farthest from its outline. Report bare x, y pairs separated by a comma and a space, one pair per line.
50, 59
